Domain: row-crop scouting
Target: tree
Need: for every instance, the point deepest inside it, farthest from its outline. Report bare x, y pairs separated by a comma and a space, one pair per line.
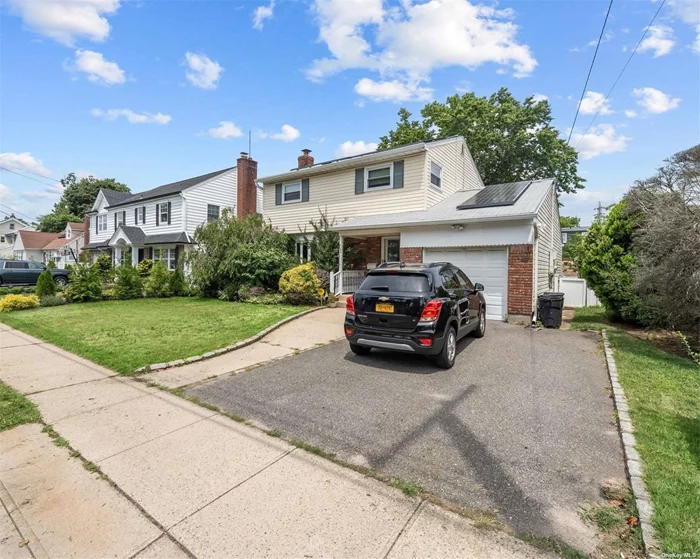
509, 140
325, 245
129, 284
158, 283
45, 284
77, 198
569, 221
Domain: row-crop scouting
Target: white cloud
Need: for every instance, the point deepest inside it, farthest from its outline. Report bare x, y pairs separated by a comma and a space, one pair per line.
687, 10
600, 140
406, 43
609, 35
203, 71
630, 113
537, 97
655, 101
394, 90
287, 134
24, 161
262, 13
131, 116
346, 149
66, 20
659, 39
696, 45
96, 68
226, 129
592, 101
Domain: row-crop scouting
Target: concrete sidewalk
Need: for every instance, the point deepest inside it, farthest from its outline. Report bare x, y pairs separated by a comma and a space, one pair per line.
306, 332
191, 482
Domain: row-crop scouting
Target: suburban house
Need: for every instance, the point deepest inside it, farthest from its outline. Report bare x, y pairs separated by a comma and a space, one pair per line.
568, 232
62, 248
426, 202
9, 227
160, 223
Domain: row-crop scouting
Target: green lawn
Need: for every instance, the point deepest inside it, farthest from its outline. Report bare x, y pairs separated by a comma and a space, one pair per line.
126, 335
589, 318
15, 409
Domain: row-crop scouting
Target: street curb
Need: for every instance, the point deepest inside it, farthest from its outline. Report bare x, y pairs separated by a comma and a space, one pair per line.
633, 464
227, 349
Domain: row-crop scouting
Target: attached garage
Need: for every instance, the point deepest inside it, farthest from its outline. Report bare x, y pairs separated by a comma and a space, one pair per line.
488, 266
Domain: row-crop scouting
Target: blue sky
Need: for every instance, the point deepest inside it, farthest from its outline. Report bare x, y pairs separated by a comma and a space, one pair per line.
156, 91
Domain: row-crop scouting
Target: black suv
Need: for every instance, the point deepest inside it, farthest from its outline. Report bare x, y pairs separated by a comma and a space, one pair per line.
415, 308
26, 272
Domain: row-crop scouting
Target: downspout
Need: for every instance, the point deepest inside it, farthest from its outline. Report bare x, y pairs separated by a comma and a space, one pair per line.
535, 246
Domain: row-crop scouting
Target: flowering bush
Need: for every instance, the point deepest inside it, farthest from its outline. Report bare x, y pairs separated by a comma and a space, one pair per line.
301, 280
18, 303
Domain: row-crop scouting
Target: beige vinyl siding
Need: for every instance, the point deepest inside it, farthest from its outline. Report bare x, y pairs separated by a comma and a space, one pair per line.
334, 193
458, 171
548, 241
150, 227
219, 191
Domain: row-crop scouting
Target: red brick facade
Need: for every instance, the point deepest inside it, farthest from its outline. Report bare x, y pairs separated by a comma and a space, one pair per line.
412, 255
369, 250
520, 279
246, 191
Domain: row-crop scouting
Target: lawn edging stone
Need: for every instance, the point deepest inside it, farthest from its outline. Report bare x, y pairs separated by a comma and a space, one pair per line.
633, 463
227, 349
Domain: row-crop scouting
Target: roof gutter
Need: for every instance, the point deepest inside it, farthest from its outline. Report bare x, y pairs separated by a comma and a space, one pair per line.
340, 228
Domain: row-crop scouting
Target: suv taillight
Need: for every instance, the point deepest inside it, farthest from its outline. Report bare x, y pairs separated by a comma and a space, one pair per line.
350, 305
431, 311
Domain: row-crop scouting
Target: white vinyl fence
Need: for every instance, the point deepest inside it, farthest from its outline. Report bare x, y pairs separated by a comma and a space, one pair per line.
576, 292
348, 283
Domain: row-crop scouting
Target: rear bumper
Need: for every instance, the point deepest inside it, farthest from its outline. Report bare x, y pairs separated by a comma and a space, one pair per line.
394, 342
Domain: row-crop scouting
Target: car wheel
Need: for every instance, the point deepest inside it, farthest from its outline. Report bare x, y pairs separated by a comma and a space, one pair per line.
446, 358
360, 349
60, 280
480, 330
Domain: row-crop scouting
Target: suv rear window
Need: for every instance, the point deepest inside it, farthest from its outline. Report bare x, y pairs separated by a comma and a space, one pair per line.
416, 283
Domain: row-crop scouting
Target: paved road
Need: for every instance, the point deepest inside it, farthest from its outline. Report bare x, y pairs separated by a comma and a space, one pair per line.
522, 424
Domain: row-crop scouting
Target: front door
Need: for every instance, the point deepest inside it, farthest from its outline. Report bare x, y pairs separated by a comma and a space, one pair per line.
392, 250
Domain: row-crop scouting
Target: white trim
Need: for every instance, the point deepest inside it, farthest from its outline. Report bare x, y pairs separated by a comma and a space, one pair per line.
389, 186
385, 251
284, 187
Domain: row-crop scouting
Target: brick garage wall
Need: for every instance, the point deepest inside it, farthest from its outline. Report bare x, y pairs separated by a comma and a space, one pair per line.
520, 279
412, 255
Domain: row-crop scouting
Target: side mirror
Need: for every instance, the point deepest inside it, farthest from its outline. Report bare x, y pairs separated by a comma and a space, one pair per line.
478, 287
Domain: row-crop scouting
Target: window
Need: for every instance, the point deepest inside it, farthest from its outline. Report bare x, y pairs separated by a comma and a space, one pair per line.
2, 239
102, 222
392, 250
464, 281
165, 255
36, 266
435, 174
378, 177
16, 265
140, 215
407, 283
163, 213
302, 250
12, 225
212, 213
119, 218
449, 281
291, 192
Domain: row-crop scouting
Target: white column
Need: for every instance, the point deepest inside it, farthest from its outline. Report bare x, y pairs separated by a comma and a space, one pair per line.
340, 266
134, 256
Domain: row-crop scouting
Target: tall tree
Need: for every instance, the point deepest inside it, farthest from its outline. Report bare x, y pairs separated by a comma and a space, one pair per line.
509, 140
569, 221
77, 198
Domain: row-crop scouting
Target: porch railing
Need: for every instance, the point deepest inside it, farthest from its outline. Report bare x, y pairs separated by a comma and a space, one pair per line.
346, 281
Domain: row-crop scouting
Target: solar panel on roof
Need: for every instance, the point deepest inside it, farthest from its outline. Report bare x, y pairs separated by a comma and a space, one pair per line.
505, 194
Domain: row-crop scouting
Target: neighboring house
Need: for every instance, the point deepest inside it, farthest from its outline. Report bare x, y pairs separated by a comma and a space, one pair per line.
568, 232
62, 248
426, 202
9, 227
160, 223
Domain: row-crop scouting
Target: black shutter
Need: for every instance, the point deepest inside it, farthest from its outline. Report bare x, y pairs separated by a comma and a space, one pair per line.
143, 214
398, 174
359, 180
136, 216
278, 194
115, 221
97, 221
124, 217
157, 214
304, 190
169, 212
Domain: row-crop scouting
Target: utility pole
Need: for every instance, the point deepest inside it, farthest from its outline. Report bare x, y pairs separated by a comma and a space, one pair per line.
599, 211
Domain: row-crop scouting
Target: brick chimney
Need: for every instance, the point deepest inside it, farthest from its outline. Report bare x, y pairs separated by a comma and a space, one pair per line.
247, 192
305, 160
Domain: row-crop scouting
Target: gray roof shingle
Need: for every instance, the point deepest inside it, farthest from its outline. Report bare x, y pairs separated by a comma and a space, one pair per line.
114, 196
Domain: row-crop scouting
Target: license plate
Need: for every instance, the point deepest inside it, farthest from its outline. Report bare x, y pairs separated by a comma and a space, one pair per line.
384, 307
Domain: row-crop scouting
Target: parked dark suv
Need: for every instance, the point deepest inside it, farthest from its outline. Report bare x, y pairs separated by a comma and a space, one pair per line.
26, 272
415, 308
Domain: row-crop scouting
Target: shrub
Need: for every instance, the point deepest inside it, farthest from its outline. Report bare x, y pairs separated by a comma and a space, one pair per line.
157, 282
4, 291
300, 299
248, 292
109, 293
176, 283
52, 301
266, 299
228, 293
129, 284
18, 303
300, 280
85, 284
16, 290
45, 284
51, 265
144, 267
29, 289
103, 267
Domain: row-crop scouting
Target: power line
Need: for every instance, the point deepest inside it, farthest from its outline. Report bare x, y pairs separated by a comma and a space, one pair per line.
585, 85
646, 30
30, 172
26, 177
17, 212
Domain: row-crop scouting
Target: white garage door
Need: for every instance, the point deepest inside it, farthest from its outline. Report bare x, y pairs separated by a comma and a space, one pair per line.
488, 266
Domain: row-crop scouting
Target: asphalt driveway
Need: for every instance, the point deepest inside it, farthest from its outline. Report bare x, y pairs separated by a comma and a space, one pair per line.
522, 425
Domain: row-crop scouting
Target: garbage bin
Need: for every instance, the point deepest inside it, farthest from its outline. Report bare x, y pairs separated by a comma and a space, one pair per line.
549, 307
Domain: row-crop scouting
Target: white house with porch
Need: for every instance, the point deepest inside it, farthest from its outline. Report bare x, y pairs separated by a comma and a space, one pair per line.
426, 202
